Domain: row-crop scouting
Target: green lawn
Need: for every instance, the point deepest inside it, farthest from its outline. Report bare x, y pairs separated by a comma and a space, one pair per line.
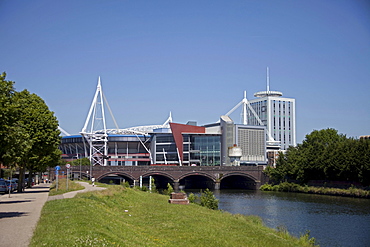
62, 187
129, 217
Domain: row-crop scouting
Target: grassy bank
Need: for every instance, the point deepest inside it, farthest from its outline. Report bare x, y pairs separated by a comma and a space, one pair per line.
129, 217
292, 187
62, 187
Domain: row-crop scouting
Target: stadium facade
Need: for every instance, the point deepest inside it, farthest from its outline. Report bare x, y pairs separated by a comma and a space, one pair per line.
268, 127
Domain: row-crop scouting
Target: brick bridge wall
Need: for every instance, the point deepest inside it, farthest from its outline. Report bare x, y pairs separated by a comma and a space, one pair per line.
176, 173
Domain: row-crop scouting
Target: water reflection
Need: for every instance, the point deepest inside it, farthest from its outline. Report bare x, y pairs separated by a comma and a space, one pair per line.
333, 221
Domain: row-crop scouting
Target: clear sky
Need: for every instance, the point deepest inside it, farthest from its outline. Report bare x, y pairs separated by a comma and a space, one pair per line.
193, 58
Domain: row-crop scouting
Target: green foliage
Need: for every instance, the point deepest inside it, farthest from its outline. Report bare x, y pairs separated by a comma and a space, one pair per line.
267, 187
324, 155
126, 184
306, 238
7, 173
292, 187
208, 200
29, 134
192, 198
78, 162
144, 188
169, 190
13, 137
153, 186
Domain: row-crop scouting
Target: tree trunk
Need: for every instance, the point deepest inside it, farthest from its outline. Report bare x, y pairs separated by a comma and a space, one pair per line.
21, 179
30, 177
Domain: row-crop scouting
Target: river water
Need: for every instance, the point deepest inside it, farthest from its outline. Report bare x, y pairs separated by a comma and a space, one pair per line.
332, 221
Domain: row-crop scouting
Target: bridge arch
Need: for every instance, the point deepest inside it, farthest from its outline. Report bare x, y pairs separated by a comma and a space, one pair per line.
198, 173
161, 179
238, 180
110, 176
197, 180
160, 173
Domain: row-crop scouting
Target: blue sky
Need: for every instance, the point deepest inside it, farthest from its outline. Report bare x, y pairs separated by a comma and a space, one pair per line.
193, 58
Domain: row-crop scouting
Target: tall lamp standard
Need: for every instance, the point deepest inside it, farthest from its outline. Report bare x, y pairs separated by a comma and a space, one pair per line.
80, 166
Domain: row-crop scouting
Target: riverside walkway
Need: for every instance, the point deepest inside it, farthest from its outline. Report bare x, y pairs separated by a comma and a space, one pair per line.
20, 212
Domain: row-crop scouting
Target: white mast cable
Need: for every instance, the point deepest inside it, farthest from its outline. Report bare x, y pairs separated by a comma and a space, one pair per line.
91, 110
268, 80
63, 131
102, 107
111, 113
245, 103
245, 120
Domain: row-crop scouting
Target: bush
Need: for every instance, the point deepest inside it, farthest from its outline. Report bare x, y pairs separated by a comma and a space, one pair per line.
153, 186
306, 238
208, 200
192, 198
292, 187
126, 184
288, 187
266, 187
169, 190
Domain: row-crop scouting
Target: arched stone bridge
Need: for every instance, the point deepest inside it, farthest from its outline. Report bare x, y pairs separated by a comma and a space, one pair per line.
250, 177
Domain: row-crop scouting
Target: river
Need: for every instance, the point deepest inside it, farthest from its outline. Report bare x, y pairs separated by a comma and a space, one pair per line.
333, 221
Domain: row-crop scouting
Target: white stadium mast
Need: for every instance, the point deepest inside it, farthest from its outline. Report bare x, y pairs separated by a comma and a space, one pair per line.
245, 103
96, 135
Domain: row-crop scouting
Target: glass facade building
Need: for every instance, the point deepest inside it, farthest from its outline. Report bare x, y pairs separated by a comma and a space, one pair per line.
164, 150
198, 149
203, 150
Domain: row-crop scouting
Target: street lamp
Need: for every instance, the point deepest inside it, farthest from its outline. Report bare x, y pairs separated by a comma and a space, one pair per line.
80, 166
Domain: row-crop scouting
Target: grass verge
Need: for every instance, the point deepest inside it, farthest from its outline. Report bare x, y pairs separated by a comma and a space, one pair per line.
62, 187
292, 187
121, 216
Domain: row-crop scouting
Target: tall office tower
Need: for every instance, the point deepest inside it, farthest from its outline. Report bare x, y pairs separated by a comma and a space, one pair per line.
276, 113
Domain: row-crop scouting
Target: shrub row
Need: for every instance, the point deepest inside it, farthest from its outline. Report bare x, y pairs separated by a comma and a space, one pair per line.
292, 187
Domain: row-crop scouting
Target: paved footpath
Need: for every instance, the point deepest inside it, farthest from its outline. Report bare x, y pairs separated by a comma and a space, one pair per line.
88, 187
20, 213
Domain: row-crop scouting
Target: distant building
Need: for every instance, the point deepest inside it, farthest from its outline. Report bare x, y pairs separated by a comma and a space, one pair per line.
250, 139
185, 144
268, 127
277, 114
219, 144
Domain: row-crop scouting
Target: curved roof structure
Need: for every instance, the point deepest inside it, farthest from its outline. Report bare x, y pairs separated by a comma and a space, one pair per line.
262, 94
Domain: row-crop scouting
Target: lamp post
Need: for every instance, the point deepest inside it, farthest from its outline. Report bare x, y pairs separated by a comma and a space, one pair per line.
80, 165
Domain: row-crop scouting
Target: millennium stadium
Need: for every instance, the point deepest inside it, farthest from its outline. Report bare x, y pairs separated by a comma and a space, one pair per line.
268, 126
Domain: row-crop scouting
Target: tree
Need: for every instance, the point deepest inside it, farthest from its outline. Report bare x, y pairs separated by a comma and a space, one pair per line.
29, 135
317, 150
77, 162
325, 155
41, 128
7, 116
